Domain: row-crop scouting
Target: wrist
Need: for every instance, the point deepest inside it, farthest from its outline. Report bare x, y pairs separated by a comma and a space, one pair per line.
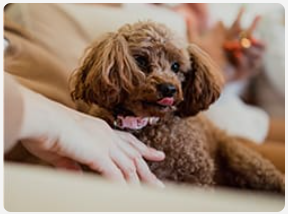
37, 114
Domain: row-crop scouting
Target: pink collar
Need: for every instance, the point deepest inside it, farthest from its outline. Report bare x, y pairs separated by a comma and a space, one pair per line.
134, 123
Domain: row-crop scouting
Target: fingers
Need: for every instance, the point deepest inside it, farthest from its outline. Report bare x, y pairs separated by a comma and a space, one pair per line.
135, 169
239, 16
136, 164
127, 167
135, 150
235, 29
102, 164
93, 154
145, 151
153, 154
253, 26
108, 169
236, 25
146, 175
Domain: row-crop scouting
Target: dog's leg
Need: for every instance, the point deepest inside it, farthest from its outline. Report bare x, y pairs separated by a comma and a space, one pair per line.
243, 167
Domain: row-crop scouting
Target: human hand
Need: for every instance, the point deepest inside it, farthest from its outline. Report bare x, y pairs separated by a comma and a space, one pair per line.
238, 61
64, 137
242, 49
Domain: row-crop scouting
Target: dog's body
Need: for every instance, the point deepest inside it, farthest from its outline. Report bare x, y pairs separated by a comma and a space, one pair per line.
200, 154
113, 83
142, 72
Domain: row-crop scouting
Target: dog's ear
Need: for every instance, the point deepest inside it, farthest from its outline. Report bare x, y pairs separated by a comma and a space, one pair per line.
202, 85
107, 74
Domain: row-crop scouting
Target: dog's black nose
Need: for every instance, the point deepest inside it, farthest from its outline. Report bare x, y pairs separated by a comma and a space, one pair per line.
166, 89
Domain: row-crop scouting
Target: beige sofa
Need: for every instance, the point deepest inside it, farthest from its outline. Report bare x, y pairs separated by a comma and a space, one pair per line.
28, 188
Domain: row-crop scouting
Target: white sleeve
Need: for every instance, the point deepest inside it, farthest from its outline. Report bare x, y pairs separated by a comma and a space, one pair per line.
231, 114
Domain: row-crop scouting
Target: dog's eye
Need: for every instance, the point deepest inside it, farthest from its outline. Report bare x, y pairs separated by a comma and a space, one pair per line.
175, 67
142, 61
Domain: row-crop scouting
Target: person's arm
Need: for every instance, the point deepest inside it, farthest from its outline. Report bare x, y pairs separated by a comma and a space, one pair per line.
13, 111
64, 137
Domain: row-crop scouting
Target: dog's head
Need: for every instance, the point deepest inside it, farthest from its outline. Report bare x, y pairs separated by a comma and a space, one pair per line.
144, 70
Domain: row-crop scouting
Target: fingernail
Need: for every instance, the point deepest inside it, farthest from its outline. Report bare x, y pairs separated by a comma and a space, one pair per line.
160, 154
160, 184
157, 152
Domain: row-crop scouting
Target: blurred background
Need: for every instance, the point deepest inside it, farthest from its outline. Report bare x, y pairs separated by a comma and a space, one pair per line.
270, 88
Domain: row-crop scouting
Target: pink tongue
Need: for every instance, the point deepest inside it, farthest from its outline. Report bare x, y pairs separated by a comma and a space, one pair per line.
167, 101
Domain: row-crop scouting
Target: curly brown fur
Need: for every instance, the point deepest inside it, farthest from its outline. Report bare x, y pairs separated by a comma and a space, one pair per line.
112, 78
121, 74
117, 79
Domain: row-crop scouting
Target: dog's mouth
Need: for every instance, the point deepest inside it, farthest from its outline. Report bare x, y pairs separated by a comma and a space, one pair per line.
127, 120
166, 101
163, 104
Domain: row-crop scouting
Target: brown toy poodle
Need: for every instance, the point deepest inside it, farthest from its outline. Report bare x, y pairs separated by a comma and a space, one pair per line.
144, 79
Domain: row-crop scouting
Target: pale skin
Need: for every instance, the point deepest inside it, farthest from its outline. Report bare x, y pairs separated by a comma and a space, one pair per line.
64, 137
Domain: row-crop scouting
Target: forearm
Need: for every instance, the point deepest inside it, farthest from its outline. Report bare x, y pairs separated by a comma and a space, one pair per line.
13, 111
27, 113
